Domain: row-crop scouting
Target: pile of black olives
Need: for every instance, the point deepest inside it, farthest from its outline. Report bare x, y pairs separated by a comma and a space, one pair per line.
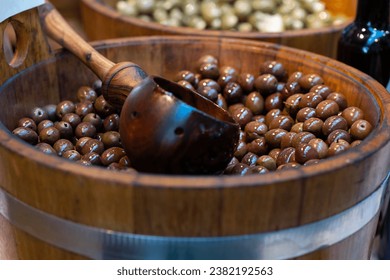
286, 120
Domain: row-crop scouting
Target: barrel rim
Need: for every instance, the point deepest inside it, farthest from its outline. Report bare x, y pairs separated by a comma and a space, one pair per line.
378, 139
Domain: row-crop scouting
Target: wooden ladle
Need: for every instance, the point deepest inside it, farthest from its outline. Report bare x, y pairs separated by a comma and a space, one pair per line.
164, 127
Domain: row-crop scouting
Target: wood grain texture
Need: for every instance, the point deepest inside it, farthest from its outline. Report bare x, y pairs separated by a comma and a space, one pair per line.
102, 21
184, 205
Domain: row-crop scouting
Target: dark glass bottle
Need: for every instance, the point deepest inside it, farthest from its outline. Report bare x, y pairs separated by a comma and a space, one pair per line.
365, 43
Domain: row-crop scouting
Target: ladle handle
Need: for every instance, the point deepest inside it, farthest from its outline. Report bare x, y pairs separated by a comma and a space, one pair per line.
118, 79
57, 28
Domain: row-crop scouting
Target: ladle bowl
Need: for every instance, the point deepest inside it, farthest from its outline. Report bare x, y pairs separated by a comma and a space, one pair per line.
167, 130
175, 128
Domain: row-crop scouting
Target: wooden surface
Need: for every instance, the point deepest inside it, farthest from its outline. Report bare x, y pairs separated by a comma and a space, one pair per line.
108, 23
183, 205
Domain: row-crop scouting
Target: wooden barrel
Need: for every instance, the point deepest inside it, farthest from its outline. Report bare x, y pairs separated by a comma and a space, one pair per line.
102, 21
51, 208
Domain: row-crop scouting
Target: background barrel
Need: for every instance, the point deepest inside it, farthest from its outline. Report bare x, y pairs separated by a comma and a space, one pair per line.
101, 20
51, 208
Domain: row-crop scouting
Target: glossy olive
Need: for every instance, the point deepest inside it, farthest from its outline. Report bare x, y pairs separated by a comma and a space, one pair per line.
84, 129
81, 142
38, 114
266, 161
308, 81
274, 137
305, 152
62, 145
352, 114
186, 76
326, 108
65, 129
111, 139
286, 140
44, 124
274, 68
93, 158
313, 125
338, 134
26, 134
46, 148
242, 116
51, 111
320, 146
65, 107
310, 99
360, 129
72, 155
249, 159
285, 156
93, 145
282, 121
322, 90
255, 129
232, 92
255, 102
111, 123
209, 70
86, 93
72, 118
339, 98
259, 146
27, 122
332, 123
273, 101
103, 108
266, 84
246, 81
305, 113
49, 135
113, 154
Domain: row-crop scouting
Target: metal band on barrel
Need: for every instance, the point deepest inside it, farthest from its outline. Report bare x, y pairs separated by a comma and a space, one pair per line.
97, 243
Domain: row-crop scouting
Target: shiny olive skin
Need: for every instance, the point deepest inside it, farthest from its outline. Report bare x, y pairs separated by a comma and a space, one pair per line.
111, 123
65, 107
305, 152
44, 124
360, 129
352, 114
27, 122
94, 119
38, 114
258, 146
103, 108
113, 154
250, 159
71, 155
93, 145
111, 139
266, 161
72, 118
255, 102
46, 148
65, 129
326, 108
26, 134
84, 108
305, 113
86, 93
286, 155
62, 145
84, 129
266, 84
49, 135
